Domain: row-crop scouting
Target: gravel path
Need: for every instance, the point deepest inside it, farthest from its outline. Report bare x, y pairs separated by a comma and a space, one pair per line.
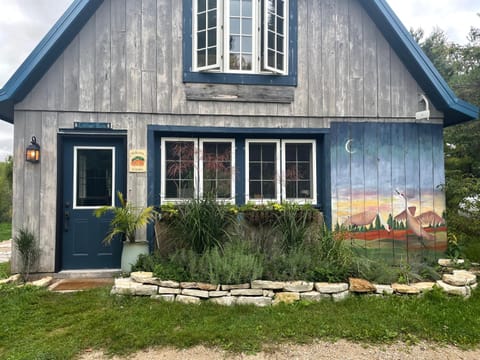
319, 350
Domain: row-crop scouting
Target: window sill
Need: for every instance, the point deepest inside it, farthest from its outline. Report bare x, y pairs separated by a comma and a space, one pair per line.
239, 93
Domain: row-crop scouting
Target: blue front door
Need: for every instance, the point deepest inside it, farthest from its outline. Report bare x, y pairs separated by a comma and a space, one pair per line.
94, 170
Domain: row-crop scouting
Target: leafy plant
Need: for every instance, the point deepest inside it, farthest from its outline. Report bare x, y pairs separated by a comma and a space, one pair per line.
293, 222
127, 219
25, 243
202, 224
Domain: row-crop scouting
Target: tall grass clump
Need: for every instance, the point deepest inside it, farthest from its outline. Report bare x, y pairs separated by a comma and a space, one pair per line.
27, 248
293, 223
202, 224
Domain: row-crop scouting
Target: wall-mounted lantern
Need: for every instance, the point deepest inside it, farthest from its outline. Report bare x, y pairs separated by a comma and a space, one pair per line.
32, 153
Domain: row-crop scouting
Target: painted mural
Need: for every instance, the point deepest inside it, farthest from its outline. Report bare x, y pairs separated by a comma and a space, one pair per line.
386, 185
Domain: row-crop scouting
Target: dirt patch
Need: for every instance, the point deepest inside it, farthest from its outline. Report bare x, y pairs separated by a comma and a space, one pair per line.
319, 350
80, 284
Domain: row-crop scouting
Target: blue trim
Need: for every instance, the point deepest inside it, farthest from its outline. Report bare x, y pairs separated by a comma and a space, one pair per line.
419, 65
240, 170
45, 54
245, 79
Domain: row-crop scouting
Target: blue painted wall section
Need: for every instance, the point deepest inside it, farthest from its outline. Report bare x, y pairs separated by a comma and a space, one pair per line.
386, 189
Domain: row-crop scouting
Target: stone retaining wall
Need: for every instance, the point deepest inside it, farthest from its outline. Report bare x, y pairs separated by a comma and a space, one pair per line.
266, 293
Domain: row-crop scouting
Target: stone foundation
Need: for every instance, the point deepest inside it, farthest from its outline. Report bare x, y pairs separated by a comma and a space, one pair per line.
267, 293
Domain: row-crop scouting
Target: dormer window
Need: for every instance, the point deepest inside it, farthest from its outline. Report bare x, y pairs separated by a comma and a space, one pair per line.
246, 36
240, 42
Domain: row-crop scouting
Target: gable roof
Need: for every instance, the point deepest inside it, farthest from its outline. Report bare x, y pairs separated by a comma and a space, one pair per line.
68, 26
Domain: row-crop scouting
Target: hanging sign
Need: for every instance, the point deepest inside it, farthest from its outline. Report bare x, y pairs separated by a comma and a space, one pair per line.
137, 161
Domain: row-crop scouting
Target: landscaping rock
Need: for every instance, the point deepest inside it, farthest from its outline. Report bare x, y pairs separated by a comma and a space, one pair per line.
198, 293
286, 297
340, 296
247, 292
383, 289
269, 293
314, 296
253, 300
145, 290
225, 300
460, 278
405, 289
43, 282
168, 291
185, 299
168, 284
424, 286
164, 297
330, 288
218, 293
232, 287
199, 286
123, 286
142, 276
454, 290
361, 286
11, 279
450, 262
208, 287
298, 286
268, 285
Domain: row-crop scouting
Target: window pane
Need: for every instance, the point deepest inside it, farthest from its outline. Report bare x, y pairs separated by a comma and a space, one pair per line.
234, 61
217, 169
212, 37
254, 152
280, 5
255, 171
235, 26
201, 40
171, 189
212, 4
268, 151
279, 61
247, 8
235, 7
201, 58
280, 44
235, 43
255, 190
212, 55
212, 18
268, 171
201, 5
247, 62
269, 190
202, 21
298, 170
94, 177
247, 44
280, 26
247, 26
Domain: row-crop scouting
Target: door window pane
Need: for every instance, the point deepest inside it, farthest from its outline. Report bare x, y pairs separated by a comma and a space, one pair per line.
94, 175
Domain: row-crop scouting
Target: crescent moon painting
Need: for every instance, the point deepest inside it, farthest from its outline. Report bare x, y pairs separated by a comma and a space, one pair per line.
348, 146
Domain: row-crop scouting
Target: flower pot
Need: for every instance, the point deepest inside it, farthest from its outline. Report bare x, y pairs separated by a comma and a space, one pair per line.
131, 252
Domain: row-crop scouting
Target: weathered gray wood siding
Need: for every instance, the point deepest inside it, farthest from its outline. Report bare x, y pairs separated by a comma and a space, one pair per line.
128, 58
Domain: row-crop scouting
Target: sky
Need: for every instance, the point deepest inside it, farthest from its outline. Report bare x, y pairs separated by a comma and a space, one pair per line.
24, 23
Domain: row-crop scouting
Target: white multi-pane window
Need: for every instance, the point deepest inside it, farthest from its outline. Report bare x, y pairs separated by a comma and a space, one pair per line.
196, 167
240, 36
281, 170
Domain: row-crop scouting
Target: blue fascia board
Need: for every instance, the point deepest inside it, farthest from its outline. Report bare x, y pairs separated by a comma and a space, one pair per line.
419, 65
45, 54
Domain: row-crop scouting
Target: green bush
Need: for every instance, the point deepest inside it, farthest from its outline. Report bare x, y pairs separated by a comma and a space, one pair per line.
293, 222
202, 224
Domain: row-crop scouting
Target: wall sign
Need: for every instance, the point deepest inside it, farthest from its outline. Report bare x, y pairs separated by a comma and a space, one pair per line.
137, 161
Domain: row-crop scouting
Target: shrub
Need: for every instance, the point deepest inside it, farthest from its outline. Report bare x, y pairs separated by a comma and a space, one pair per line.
202, 224
26, 245
293, 223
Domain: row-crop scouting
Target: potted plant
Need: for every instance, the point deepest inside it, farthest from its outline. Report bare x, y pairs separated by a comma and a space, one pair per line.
127, 220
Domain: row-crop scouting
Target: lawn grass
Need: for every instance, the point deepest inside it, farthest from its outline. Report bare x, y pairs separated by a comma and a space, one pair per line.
5, 231
4, 271
39, 324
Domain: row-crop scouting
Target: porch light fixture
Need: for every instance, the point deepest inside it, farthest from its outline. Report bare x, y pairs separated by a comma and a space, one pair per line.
32, 153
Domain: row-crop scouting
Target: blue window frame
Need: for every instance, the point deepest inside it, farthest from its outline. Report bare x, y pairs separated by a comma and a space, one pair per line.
189, 75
